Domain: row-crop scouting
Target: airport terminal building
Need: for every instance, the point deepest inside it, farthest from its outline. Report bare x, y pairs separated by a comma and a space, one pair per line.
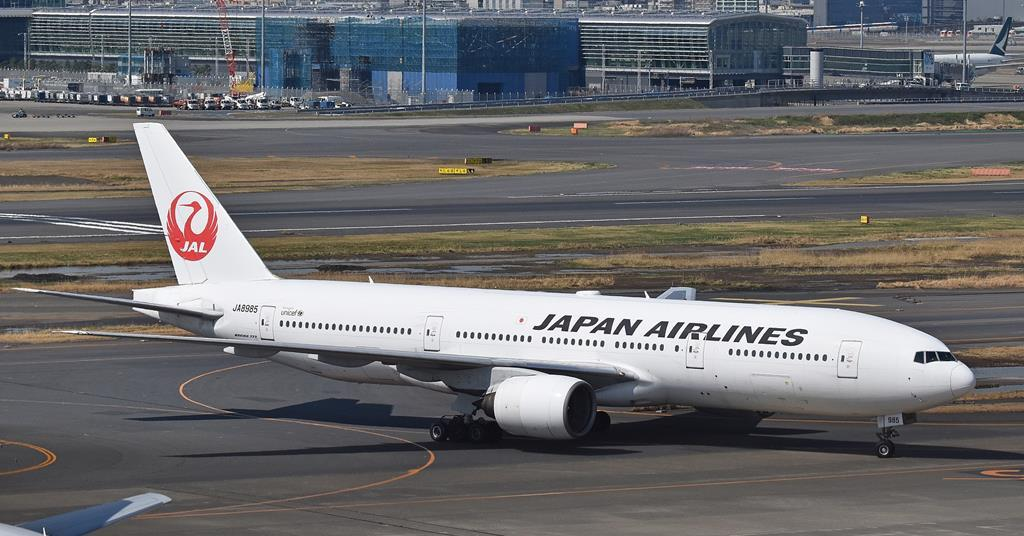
690, 50
469, 56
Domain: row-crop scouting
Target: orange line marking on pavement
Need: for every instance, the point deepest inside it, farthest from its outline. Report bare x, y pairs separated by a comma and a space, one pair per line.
48, 457
600, 490
235, 508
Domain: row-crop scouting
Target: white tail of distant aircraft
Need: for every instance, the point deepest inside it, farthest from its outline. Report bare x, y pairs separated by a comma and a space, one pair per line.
537, 364
984, 61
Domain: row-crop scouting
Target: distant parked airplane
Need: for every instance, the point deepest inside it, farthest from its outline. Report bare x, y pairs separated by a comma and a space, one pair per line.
983, 61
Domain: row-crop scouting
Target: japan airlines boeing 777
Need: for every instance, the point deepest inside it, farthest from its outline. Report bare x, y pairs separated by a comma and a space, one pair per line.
535, 364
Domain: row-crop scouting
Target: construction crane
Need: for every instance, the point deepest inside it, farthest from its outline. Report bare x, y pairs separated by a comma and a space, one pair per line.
236, 85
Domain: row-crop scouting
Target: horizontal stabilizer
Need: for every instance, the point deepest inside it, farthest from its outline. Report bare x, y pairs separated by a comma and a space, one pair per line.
96, 517
200, 313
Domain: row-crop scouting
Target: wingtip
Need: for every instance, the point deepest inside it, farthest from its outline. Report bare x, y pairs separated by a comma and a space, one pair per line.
23, 289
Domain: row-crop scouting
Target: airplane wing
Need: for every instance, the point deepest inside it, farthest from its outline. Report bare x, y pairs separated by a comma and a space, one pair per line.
89, 519
604, 372
207, 314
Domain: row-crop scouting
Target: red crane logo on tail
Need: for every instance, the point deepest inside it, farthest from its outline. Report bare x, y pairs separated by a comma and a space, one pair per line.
189, 244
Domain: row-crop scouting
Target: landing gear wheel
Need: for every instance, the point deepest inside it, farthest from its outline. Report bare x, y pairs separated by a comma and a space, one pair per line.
885, 449
457, 431
476, 433
439, 432
602, 421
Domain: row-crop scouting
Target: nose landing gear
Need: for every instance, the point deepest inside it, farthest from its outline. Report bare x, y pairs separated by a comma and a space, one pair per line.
885, 448
887, 424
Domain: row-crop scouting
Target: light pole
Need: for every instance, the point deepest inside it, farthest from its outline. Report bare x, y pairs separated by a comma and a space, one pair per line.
129, 43
263, 40
423, 53
964, 31
861, 5
24, 56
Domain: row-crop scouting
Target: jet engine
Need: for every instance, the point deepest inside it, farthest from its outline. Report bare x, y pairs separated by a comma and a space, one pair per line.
542, 406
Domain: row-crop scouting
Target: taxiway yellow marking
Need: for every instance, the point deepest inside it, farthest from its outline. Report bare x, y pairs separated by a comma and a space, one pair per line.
993, 475
235, 508
48, 457
822, 302
611, 489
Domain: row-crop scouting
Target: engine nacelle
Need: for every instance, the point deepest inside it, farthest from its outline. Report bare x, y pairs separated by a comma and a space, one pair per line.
542, 406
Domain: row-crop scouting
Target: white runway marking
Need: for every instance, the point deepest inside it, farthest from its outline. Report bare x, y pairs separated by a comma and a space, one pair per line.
118, 227
676, 202
341, 211
500, 223
793, 189
760, 168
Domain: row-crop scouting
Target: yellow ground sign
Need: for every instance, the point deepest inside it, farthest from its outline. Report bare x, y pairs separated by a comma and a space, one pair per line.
455, 170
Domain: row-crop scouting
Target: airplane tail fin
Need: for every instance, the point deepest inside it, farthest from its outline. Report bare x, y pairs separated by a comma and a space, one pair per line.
205, 244
1003, 39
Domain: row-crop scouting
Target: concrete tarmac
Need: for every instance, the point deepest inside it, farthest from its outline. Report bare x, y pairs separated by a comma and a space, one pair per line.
252, 447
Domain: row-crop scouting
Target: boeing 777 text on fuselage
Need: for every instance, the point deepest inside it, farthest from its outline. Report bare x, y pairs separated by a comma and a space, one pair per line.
535, 364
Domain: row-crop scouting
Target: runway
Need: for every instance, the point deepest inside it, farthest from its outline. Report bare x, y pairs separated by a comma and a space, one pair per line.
654, 181
296, 454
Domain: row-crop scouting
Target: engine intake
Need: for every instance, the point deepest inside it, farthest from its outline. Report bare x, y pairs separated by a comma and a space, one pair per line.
542, 406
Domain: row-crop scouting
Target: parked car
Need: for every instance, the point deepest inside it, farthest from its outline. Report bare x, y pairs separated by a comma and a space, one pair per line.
145, 111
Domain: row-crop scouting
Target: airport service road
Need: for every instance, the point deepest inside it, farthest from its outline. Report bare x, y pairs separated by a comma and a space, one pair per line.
118, 120
314, 213
297, 454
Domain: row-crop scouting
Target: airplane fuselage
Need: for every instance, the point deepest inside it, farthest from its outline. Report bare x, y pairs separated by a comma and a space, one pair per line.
980, 61
706, 354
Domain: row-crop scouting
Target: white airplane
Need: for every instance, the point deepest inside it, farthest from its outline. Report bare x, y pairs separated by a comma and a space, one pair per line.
89, 519
536, 364
983, 61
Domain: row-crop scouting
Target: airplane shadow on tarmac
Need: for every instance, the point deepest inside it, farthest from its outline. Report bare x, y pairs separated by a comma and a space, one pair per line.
623, 438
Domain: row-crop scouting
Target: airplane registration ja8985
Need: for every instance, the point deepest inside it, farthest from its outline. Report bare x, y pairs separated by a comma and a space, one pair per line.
530, 364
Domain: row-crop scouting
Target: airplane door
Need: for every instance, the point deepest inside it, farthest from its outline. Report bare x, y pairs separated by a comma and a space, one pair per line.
849, 355
267, 322
695, 352
432, 334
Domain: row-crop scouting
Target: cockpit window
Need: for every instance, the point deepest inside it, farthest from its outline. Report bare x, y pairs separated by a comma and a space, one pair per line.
932, 357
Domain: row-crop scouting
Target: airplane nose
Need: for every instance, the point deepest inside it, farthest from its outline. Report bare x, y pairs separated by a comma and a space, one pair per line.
961, 380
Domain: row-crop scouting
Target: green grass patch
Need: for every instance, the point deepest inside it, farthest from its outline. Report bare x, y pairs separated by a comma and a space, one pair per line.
644, 238
802, 125
953, 175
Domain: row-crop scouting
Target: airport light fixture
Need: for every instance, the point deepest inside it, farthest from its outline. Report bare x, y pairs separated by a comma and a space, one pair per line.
423, 53
964, 32
24, 57
861, 6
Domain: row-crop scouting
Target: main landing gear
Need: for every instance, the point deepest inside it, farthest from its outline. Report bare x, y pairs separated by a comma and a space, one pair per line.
464, 428
470, 429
